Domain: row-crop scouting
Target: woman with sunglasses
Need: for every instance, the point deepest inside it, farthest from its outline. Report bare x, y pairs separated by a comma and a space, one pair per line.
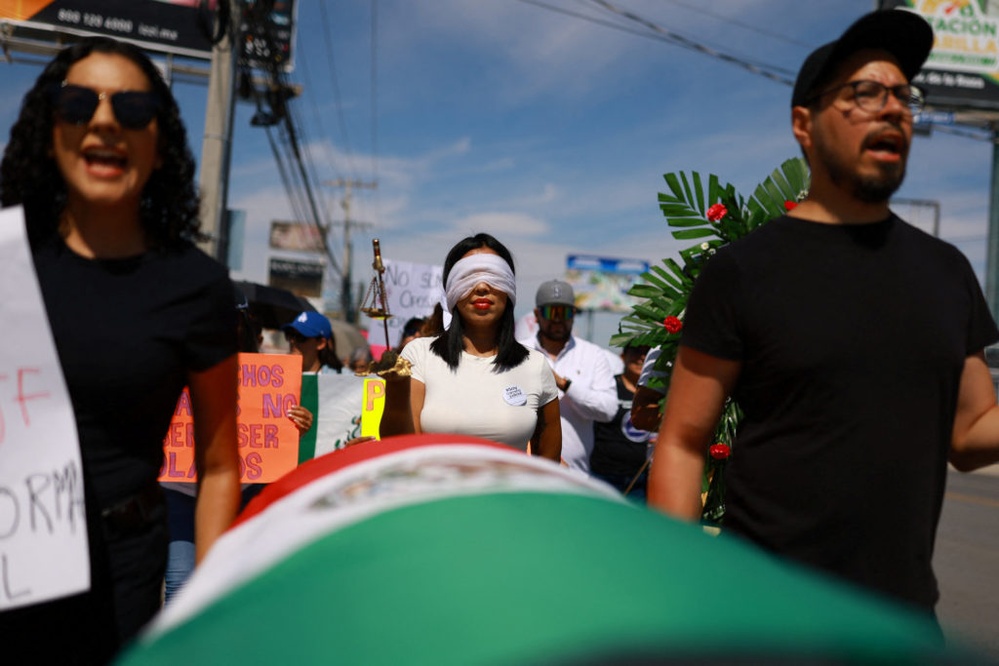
99, 160
474, 378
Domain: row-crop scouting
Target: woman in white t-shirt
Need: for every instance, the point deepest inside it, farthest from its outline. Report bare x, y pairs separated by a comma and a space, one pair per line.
475, 378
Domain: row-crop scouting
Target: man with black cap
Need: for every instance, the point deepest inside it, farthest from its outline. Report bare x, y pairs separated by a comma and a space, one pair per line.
587, 389
852, 341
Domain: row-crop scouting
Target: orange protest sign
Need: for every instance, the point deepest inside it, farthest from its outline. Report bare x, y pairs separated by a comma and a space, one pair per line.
269, 385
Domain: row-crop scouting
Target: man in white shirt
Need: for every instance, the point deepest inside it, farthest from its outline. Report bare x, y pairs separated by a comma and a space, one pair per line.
587, 391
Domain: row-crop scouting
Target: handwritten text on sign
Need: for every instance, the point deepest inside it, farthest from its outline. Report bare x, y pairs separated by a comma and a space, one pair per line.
43, 529
269, 385
413, 290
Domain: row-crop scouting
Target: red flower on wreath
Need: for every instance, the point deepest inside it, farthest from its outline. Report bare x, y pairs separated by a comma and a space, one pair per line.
790, 205
720, 451
716, 212
673, 324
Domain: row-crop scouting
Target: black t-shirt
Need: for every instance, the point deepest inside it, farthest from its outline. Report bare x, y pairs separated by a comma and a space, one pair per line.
852, 340
618, 446
127, 332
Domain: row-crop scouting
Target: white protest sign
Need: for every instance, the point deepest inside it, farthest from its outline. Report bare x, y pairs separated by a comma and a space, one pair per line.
43, 528
412, 291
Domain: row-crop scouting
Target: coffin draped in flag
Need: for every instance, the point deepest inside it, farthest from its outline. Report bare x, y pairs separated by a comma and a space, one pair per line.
437, 549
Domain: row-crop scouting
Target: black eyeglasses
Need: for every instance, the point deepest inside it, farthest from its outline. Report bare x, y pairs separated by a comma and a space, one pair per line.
872, 96
557, 312
77, 104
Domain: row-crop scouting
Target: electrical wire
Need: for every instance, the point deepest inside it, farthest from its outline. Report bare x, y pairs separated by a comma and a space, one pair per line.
316, 116
335, 86
741, 24
586, 17
768, 72
771, 72
654, 31
374, 99
298, 180
982, 134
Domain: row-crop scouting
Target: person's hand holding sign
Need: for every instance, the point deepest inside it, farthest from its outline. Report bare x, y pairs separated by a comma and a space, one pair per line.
301, 417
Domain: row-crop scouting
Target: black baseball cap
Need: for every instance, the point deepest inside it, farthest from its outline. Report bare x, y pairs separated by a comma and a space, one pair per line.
904, 34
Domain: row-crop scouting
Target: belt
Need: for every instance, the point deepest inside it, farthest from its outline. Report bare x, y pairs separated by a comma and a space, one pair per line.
134, 512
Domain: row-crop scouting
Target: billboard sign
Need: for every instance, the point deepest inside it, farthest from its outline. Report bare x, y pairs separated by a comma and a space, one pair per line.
181, 27
962, 71
296, 236
602, 283
304, 278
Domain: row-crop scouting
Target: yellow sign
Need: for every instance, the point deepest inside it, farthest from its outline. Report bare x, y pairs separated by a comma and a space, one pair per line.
374, 405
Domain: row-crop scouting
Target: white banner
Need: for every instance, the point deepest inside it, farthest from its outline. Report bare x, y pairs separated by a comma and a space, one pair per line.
341, 404
43, 527
412, 291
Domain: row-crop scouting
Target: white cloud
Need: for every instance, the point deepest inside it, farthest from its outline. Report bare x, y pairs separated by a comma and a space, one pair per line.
503, 225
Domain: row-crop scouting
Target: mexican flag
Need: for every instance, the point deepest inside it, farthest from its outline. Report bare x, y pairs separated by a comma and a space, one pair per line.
438, 549
337, 404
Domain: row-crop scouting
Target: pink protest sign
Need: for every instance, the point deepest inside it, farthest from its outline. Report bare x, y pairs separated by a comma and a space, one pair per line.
269, 385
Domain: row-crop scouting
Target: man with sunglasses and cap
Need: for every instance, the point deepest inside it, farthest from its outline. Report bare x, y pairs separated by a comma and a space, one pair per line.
852, 341
587, 390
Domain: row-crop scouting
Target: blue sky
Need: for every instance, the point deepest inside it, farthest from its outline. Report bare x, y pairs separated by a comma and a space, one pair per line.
547, 130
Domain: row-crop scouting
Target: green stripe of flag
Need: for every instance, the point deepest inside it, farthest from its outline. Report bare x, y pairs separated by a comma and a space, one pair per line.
309, 400
532, 578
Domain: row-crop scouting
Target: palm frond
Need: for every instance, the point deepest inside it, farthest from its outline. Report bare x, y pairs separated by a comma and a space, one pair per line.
666, 288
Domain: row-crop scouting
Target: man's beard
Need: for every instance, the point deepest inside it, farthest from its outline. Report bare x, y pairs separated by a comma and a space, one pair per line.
562, 335
866, 188
869, 189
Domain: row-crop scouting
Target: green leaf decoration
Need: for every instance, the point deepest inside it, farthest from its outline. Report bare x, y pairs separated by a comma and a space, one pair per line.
665, 288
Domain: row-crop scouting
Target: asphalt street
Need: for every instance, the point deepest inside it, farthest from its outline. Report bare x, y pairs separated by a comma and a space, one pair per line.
966, 559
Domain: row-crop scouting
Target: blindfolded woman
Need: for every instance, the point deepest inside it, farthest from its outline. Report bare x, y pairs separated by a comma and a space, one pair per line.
475, 378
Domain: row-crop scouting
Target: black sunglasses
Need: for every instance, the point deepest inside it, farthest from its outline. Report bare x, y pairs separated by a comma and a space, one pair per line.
77, 104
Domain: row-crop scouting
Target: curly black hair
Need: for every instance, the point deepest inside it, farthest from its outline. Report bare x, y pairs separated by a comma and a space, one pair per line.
29, 176
449, 344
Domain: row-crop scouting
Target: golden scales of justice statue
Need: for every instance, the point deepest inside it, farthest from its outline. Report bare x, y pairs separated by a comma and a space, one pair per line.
375, 305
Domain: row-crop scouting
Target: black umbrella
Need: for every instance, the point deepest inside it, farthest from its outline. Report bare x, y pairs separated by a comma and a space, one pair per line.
273, 307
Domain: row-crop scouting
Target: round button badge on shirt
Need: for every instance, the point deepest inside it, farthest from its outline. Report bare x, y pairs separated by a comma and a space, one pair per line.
514, 396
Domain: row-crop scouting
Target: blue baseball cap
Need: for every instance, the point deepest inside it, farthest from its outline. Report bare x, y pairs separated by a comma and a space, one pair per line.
310, 324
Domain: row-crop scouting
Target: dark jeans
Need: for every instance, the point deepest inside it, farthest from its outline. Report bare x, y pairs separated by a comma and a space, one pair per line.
126, 568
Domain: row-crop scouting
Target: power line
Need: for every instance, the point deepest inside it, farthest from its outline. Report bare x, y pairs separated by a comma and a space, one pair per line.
742, 24
771, 72
316, 116
374, 94
591, 19
978, 134
657, 32
335, 86
278, 93
766, 71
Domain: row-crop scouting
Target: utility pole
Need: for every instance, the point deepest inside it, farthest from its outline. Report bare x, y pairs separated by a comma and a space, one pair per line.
216, 146
346, 288
992, 246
